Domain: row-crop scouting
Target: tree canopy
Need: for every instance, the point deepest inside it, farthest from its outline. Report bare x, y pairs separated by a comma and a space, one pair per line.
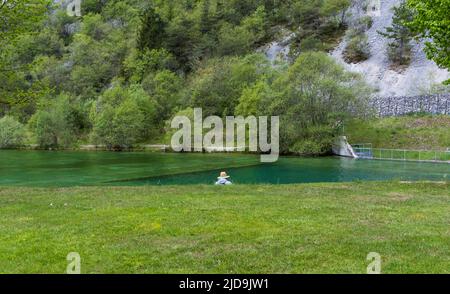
117, 74
20, 16
432, 21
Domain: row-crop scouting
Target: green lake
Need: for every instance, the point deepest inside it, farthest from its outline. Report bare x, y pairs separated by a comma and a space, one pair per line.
65, 169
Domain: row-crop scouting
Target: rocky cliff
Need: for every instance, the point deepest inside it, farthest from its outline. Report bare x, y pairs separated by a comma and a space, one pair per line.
417, 79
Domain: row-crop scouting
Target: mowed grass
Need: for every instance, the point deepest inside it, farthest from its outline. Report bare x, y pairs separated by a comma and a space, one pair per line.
404, 132
313, 228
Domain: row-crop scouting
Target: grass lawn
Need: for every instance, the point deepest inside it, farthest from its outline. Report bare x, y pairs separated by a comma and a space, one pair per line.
313, 228
403, 132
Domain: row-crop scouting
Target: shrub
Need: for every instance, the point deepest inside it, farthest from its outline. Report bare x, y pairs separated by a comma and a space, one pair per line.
123, 117
11, 132
357, 49
399, 49
311, 99
127, 123
366, 22
217, 87
235, 40
315, 140
311, 43
52, 125
360, 26
399, 55
166, 88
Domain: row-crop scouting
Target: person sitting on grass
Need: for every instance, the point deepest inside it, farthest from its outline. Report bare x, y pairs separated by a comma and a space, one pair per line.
224, 179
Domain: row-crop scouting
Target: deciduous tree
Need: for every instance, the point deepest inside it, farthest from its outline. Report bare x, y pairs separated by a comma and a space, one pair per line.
432, 21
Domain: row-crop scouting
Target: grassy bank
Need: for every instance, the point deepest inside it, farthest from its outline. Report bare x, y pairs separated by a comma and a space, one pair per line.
314, 228
405, 132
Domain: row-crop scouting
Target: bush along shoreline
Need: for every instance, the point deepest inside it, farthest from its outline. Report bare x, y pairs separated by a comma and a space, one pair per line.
413, 132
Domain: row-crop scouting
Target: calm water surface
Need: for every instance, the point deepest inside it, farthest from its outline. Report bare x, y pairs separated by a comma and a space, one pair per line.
62, 169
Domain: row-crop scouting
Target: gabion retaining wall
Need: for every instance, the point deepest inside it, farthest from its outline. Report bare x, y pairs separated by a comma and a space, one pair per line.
394, 106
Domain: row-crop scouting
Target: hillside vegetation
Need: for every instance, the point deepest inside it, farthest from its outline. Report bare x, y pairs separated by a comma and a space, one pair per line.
406, 132
120, 72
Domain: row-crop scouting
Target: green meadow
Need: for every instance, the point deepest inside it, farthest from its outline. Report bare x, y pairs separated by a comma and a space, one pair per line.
414, 132
309, 228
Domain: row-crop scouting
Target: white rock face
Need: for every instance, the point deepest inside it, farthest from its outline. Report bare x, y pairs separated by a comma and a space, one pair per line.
415, 80
278, 50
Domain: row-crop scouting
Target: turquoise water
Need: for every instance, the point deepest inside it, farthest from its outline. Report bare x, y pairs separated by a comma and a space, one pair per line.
63, 169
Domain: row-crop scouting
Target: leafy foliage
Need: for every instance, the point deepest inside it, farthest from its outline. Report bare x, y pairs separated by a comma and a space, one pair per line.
151, 34
123, 117
431, 21
311, 98
219, 85
12, 132
18, 19
20, 16
116, 75
399, 49
56, 122
357, 49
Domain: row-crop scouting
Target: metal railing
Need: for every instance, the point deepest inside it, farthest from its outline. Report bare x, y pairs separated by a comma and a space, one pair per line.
365, 151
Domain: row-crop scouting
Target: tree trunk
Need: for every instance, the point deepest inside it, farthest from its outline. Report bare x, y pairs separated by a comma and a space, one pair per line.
400, 48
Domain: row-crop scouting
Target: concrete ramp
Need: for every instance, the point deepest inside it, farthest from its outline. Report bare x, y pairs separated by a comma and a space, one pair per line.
341, 147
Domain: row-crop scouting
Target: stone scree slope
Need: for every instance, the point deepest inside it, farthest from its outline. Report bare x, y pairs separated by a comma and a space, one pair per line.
414, 80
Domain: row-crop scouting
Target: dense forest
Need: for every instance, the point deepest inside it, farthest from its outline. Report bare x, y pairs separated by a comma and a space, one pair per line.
117, 74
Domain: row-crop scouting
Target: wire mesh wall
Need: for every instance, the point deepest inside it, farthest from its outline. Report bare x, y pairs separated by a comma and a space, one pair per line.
366, 151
